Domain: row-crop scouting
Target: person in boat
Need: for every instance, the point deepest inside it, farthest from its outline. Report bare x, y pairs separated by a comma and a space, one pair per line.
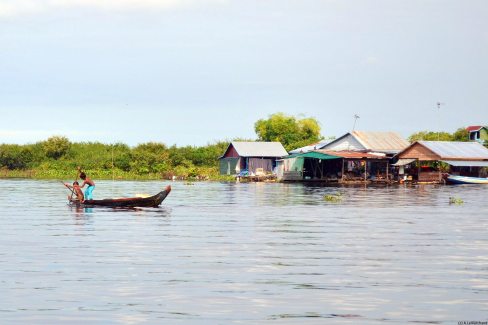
91, 186
76, 190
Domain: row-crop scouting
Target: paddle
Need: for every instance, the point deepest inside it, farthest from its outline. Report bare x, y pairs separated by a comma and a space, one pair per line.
72, 191
78, 170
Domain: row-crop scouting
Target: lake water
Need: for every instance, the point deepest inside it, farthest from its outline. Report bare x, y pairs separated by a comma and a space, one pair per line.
226, 253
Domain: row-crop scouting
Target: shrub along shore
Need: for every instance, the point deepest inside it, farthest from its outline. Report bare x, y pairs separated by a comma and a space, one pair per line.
58, 158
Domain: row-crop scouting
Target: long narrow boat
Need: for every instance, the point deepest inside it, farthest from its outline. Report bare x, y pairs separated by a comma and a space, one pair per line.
454, 179
129, 202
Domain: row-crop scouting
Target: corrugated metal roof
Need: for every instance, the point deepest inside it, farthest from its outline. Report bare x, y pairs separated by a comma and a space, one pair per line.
381, 141
452, 150
403, 162
474, 128
466, 163
353, 154
259, 149
311, 147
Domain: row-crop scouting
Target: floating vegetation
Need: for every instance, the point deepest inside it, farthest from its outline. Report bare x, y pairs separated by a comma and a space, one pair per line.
455, 200
337, 197
189, 183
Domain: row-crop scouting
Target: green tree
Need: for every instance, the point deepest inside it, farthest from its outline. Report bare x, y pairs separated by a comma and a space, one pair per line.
461, 134
38, 154
121, 156
151, 157
430, 136
288, 130
56, 146
14, 156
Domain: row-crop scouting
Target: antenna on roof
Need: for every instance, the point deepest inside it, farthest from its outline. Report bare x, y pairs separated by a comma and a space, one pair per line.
439, 131
355, 119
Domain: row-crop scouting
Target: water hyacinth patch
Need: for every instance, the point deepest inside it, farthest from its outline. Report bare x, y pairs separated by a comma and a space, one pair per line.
455, 200
336, 197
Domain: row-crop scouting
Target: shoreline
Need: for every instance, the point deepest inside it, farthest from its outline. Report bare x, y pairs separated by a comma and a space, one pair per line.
105, 175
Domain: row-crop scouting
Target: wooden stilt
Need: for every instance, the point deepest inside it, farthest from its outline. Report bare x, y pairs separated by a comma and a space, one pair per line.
387, 167
342, 175
365, 170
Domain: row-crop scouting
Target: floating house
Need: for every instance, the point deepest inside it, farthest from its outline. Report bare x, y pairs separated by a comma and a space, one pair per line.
356, 157
366, 155
388, 143
424, 160
251, 158
478, 133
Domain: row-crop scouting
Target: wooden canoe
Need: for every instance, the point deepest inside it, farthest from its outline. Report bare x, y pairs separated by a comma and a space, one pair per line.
129, 202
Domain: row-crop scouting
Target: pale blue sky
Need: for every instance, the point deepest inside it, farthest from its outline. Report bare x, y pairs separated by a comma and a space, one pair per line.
192, 72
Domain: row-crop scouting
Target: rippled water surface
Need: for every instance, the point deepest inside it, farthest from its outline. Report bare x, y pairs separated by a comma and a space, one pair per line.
220, 253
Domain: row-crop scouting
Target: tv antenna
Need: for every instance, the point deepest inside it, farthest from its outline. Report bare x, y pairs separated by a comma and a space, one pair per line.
355, 119
439, 131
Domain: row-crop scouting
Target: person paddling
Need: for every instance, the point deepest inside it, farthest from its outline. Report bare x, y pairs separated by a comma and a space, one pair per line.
91, 186
75, 190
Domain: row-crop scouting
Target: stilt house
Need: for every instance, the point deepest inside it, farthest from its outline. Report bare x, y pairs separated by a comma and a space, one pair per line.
251, 158
387, 143
426, 159
354, 157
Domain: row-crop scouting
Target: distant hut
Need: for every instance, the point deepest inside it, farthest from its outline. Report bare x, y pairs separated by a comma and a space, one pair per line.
250, 158
478, 133
460, 158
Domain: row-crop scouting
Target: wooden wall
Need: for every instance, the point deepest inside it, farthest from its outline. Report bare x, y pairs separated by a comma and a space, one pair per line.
231, 153
430, 177
417, 151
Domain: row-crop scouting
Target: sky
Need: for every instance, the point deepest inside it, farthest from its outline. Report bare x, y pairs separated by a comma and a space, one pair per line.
192, 72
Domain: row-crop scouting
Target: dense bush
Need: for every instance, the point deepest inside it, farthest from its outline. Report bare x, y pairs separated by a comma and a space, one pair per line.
56, 147
460, 134
13, 156
57, 157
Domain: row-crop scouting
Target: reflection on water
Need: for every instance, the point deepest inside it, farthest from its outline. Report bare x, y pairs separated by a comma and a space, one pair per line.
221, 253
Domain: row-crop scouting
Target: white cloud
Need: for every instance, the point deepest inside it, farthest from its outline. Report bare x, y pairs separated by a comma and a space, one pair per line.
12, 8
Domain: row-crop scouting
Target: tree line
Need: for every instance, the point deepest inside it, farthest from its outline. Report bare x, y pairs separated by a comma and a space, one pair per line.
58, 157
460, 134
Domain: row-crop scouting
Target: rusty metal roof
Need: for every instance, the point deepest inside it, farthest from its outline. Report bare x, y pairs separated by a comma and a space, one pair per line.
390, 142
259, 149
352, 154
453, 150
